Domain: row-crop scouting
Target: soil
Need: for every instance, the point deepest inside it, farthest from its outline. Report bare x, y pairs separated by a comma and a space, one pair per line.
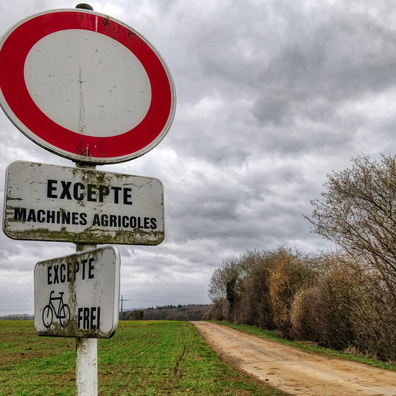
294, 371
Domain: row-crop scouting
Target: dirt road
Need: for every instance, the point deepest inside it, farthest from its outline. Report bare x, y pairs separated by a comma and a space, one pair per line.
294, 371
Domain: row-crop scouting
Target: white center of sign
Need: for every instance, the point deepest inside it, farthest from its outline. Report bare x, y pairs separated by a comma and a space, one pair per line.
87, 83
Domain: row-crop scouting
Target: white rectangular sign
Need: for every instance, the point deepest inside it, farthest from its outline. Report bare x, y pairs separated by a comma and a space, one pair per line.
55, 203
78, 295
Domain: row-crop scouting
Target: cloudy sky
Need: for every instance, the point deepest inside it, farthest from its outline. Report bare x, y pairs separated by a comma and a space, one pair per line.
272, 95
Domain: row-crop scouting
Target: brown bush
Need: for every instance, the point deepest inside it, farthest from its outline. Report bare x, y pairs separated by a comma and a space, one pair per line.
306, 315
374, 321
289, 273
218, 311
339, 293
255, 304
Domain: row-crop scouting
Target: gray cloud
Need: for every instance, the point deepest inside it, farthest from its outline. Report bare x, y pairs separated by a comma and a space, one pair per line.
272, 96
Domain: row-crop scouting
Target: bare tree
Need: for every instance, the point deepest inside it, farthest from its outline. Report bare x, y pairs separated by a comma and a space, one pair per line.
358, 213
226, 281
221, 277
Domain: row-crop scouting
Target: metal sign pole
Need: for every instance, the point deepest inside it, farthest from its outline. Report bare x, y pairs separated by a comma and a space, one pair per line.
87, 366
86, 356
86, 348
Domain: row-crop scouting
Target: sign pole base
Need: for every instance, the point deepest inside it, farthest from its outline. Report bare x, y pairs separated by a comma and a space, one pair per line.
87, 366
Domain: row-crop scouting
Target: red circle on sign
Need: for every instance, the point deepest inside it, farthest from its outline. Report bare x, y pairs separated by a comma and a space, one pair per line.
26, 115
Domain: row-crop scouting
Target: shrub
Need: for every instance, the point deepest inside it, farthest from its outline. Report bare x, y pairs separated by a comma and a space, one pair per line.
218, 311
374, 321
255, 305
306, 315
290, 272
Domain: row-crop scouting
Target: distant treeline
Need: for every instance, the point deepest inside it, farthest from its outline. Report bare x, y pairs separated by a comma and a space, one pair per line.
326, 298
168, 312
17, 317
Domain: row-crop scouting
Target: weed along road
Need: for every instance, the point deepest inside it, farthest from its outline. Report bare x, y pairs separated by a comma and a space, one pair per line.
295, 371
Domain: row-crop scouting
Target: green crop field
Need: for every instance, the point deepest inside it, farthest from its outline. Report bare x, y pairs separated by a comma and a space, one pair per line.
143, 358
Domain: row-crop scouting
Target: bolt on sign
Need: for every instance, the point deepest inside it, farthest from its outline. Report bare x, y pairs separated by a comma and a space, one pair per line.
77, 295
55, 203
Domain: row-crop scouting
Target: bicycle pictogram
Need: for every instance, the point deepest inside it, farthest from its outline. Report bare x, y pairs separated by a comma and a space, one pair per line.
61, 311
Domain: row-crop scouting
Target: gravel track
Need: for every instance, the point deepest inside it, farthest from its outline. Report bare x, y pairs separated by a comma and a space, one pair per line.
295, 371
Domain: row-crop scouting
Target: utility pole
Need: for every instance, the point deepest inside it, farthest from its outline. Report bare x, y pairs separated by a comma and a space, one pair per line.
122, 307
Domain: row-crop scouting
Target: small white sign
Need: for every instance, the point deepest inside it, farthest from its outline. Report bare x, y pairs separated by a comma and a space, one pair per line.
55, 203
78, 295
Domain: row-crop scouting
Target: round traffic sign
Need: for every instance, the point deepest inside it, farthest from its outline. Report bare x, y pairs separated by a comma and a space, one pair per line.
85, 86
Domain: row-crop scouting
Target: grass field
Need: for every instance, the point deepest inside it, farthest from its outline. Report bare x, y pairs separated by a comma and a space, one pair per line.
143, 358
